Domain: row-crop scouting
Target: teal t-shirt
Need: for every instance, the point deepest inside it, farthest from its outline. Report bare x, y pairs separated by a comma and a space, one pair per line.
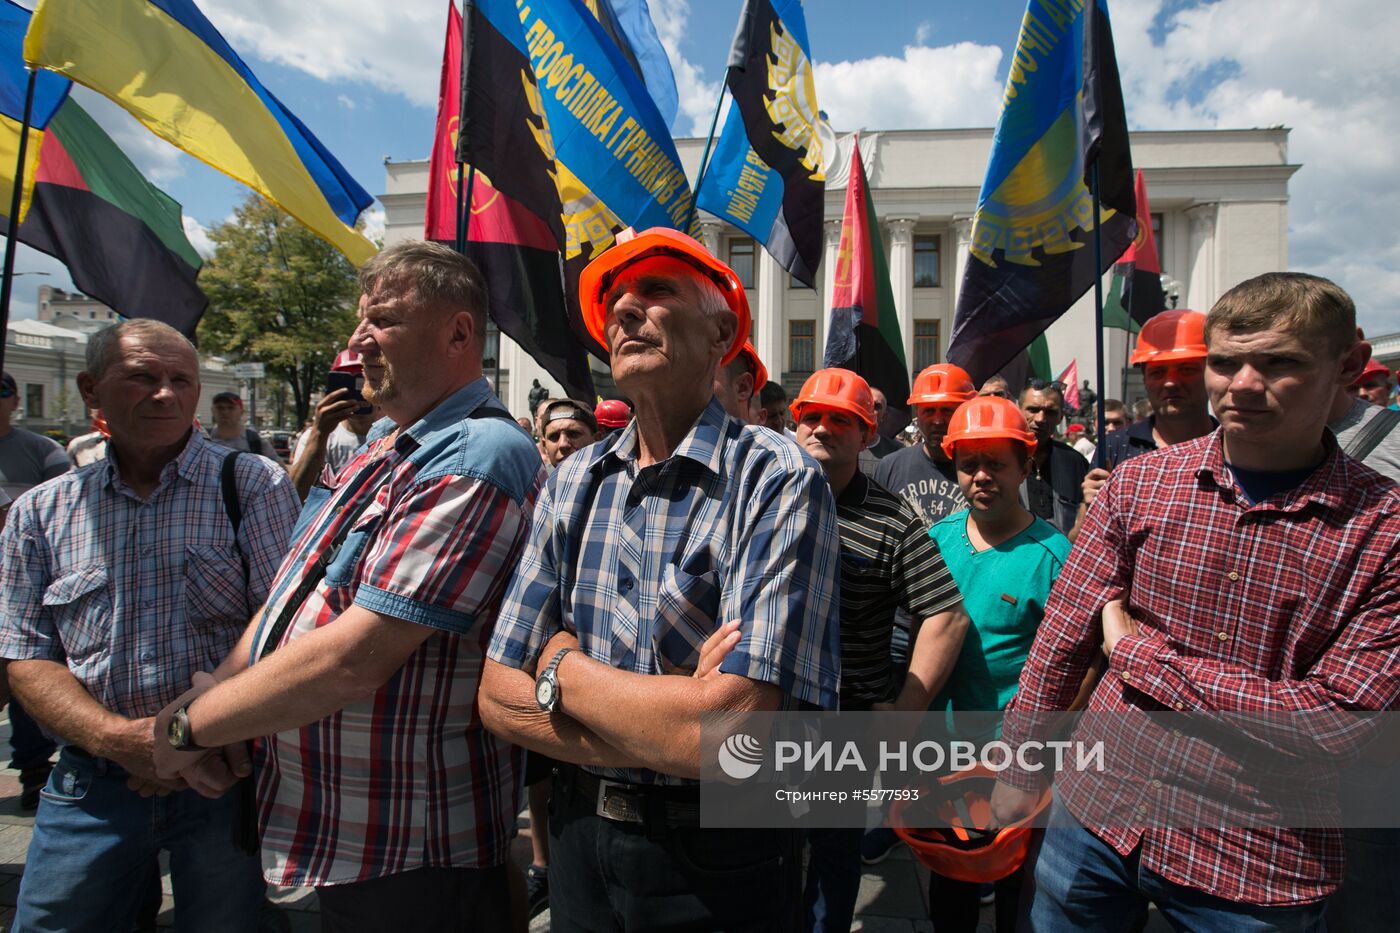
1004, 589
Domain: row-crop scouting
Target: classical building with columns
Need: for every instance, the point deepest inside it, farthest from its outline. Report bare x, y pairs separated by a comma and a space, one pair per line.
1219, 210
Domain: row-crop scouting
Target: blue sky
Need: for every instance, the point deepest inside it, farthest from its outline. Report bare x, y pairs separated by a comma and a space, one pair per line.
363, 75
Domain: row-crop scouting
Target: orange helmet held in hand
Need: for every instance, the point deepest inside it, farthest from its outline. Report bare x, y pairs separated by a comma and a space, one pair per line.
840, 389
960, 849
942, 384
985, 418
1171, 335
597, 277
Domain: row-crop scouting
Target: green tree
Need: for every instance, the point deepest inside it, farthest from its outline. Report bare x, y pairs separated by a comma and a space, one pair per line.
278, 295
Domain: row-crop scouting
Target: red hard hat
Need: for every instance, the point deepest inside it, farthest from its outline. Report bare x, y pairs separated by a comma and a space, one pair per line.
1373, 368
988, 417
961, 850
942, 384
347, 361
760, 372
596, 277
612, 413
1171, 335
840, 389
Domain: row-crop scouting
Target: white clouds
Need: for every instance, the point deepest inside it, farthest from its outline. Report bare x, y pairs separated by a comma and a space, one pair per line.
346, 101
394, 46
697, 96
922, 33
949, 86
1326, 71
374, 222
198, 236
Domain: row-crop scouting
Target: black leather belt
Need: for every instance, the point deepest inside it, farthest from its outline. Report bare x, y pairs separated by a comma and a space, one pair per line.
640, 804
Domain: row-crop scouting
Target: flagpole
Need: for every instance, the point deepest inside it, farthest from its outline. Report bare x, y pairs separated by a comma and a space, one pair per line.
459, 240
1100, 453
464, 233
705, 158
16, 198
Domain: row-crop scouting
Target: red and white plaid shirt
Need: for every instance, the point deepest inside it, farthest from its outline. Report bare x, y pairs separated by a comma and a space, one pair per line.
1283, 607
408, 778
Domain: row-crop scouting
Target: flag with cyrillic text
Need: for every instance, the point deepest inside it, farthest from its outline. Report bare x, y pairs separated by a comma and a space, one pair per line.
1032, 244
766, 174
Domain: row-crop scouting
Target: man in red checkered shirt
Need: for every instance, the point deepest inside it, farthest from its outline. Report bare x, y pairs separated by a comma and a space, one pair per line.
1258, 570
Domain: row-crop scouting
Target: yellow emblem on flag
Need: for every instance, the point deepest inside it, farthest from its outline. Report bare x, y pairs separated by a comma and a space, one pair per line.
793, 105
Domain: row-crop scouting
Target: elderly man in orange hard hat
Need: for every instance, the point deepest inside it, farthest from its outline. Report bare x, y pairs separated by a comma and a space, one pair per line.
685, 565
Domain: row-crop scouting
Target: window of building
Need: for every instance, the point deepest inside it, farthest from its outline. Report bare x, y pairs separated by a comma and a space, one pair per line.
802, 346
1157, 232
926, 254
741, 259
925, 344
33, 401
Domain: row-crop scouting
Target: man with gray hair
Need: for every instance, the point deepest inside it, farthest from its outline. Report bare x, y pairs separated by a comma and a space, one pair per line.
652, 553
377, 783
117, 583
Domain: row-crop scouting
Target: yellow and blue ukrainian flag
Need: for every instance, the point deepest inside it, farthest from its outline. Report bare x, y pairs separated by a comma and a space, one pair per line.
170, 68
1032, 252
50, 91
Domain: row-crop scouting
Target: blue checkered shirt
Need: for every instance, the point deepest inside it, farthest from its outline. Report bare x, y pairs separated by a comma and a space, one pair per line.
643, 563
136, 596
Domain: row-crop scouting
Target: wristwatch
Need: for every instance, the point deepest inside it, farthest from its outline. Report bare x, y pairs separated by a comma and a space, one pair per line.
179, 734
547, 686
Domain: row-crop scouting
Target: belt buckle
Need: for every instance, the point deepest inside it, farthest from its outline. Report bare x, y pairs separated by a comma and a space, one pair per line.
616, 803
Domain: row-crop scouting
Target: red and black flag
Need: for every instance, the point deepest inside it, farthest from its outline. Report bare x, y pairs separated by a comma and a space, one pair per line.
122, 238
515, 249
1139, 268
1032, 245
863, 335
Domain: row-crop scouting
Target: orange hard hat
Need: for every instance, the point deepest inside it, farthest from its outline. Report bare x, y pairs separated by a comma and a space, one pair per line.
960, 849
942, 384
612, 413
347, 361
597, 277
840, 389
760, 372
1171, 335
985, 418
1373, 368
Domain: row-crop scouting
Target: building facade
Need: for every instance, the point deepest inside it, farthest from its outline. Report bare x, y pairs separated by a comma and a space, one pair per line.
45, 360
1220, 213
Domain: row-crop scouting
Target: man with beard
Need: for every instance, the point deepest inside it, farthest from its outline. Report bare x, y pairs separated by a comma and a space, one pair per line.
377, 782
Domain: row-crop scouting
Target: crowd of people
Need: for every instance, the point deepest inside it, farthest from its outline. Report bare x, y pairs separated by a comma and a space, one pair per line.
353, 673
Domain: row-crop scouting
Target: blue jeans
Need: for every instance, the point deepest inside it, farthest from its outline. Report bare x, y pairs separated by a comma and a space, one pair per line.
1083, 885
833, 879
94, 844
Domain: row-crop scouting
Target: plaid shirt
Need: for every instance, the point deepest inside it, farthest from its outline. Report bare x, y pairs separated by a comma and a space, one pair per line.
643, 563
1281, 607
408, 778
137, 595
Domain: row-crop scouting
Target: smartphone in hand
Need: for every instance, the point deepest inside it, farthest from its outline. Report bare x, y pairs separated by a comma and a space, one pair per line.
350, 382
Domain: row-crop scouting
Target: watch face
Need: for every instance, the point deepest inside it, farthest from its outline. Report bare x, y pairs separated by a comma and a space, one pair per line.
544, 692
175, 732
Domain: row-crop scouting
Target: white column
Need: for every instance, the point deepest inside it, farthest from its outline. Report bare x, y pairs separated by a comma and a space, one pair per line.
1201, 288
830, 247
961, 228
902, 276
769, 323
709, 235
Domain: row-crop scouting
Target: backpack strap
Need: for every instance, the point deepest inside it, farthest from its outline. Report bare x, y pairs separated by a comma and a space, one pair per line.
316, 572
228, 486
1365, 440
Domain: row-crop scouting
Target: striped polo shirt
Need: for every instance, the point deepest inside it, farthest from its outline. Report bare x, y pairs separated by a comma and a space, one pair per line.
888, 562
